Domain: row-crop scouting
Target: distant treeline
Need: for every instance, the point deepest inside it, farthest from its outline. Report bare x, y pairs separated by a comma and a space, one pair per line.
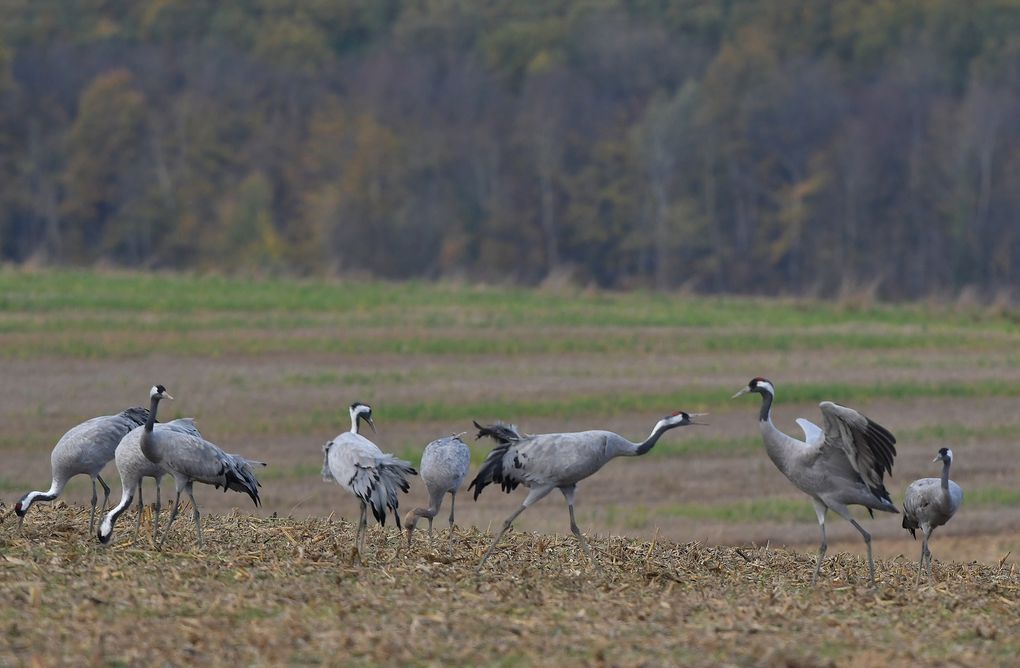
776, 146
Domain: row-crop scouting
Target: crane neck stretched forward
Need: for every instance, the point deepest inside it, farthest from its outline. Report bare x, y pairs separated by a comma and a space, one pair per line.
653, 438
678, 419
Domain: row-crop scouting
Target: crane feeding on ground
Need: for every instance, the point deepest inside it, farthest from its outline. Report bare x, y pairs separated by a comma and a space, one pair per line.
84, 449
444, 465
190, 459
132, 466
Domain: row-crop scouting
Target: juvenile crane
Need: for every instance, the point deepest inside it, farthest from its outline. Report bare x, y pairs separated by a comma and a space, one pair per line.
444, 464
132, 466
359, 466
544, 462
85, 448
930, 503
190, 459
842, 465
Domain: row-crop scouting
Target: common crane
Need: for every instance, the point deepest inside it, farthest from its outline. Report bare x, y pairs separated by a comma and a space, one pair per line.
930, 503
359, 466
839, 466
544, 462
444, 464
190, 459
85, 448
132, 466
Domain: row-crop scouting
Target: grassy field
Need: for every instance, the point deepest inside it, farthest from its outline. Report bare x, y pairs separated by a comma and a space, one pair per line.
268, 368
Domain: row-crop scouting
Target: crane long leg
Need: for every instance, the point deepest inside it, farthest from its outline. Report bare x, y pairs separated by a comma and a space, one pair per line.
362, 523
920, 564
506, 525
173, 516
92, 517
141, 507
449, 536
197, 516
155, 520
926, 554
106, 491
533, 496
867, 541
568, 494
844, 512
820, 509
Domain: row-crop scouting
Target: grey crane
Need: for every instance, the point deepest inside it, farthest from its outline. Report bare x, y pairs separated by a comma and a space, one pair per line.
359, 466
190, 459
444, 464
839, 466
84, 449
544, 462
132, 466
930, 503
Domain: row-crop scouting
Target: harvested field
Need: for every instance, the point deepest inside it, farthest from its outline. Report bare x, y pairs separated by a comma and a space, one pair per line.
268, 368
272, 591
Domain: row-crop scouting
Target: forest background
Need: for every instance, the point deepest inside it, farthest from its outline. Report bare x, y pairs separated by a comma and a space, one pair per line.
788, 147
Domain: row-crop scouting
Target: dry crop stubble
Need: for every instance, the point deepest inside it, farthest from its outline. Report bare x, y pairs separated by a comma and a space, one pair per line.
281, 590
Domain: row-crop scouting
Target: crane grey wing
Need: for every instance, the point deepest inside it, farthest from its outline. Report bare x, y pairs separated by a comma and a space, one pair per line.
200, 460
869, 447
183, 426
813, 434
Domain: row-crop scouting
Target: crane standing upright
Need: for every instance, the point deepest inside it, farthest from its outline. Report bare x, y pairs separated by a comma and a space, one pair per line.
841, 466
359, 466
930, 503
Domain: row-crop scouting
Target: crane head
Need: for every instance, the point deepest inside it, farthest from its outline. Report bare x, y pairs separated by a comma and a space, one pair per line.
679, 419
945, 455
360, 411
159, 392
758, 384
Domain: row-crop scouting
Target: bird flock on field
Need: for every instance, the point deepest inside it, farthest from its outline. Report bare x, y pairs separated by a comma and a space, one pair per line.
841, 464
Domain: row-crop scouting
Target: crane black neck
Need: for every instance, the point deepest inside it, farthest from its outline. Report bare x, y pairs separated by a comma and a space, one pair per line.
766, 405
153, 406
945, 474
653, 438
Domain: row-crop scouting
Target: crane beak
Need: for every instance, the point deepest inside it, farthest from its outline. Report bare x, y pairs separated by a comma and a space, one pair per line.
694, 415
370, 423
166, 395
937, 459
743, 390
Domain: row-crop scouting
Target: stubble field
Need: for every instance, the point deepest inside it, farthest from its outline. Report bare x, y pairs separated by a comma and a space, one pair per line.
269, 367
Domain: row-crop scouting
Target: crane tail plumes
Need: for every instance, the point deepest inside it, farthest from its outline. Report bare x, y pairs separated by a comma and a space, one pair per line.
239, 477
499, 432
492, 468
910, 526
327, 474
384, 480
136, 415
